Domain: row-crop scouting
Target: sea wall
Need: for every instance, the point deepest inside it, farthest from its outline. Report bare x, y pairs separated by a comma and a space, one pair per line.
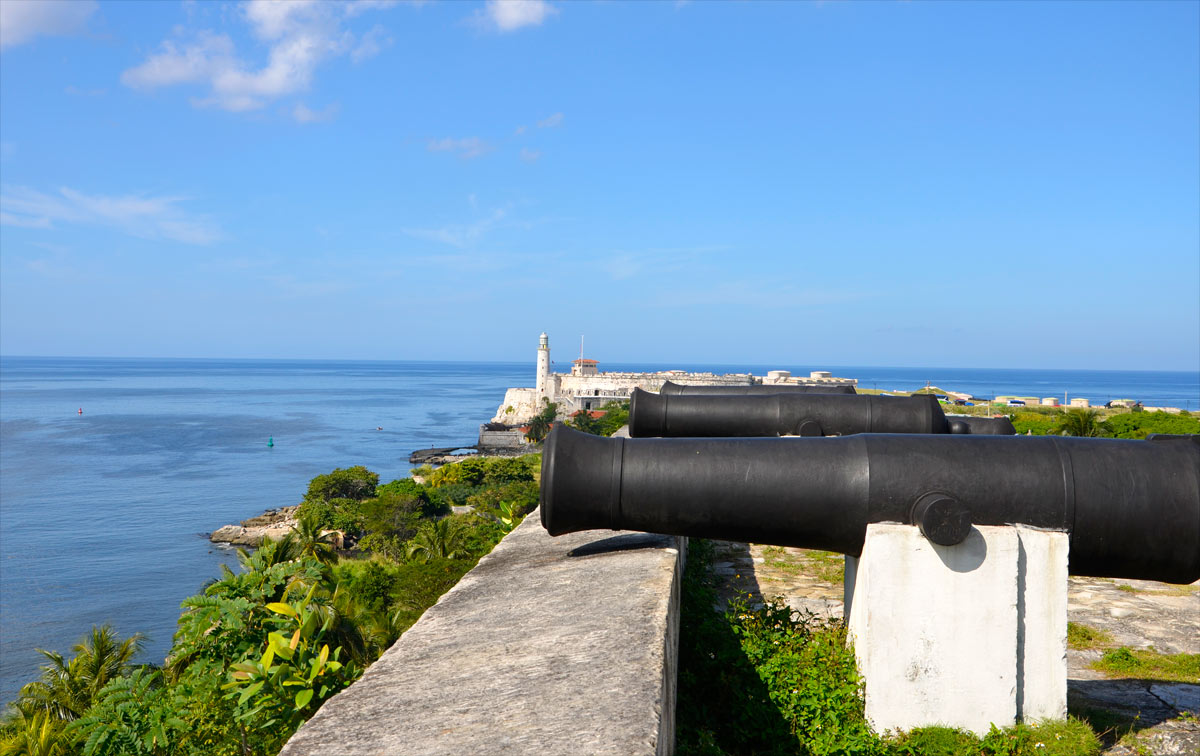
549, 646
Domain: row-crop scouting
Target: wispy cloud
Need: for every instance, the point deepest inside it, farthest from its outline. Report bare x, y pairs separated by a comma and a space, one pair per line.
22, 20
304, 114
371, 44
461, 235
622, 265
466, 148
510, 15
142, 216
299, 36
551, 122
530, 156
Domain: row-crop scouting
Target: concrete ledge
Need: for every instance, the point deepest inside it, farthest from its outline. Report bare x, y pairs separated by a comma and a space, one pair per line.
549, 646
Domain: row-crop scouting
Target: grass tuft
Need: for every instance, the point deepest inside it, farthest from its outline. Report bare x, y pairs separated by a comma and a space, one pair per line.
1081, 637
1149, 664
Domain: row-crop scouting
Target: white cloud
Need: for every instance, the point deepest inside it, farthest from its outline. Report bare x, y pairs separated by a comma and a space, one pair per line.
530, 156
22, 20
551, 122
371, 44
355, 7
467, 148
299, 35
519, 131
510, 15
304, 114
146, 217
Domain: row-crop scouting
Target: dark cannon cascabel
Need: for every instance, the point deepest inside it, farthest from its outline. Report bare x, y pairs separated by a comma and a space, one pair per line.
758, 388
1132, 508
710, 416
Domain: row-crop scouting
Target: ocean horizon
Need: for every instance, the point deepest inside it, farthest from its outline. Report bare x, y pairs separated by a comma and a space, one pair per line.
104, 513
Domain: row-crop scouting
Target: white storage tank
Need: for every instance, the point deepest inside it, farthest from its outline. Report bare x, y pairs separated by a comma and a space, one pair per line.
778, 376
820, 374
1079, 401
1050, 401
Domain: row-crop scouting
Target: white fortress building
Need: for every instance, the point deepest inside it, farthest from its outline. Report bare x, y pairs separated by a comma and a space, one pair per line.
585, 387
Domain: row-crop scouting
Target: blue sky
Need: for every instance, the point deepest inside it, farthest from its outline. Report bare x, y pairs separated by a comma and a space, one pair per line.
831, 183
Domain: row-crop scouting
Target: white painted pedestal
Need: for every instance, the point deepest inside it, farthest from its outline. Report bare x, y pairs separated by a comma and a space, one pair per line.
962, 636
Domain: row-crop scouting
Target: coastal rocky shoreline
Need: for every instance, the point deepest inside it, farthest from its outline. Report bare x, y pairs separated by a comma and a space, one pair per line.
272, 524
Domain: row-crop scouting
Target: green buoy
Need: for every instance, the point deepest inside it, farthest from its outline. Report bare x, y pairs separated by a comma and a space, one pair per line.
270, 442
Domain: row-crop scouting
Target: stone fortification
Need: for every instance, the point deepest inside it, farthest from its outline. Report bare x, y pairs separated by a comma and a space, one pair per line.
585, 387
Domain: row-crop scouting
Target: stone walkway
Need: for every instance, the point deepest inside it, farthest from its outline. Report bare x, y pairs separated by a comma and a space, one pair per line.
1135, 613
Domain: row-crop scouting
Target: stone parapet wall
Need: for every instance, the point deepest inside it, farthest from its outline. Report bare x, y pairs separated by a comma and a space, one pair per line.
549, 646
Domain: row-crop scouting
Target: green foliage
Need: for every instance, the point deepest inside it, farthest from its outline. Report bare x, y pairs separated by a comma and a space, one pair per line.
403, 488
250, 661
452, 495
1142, 424
444, 539
765, 680
539, 427
616, 414
1149, 664
1081, 422
1070, 737
134, 715
468, 472
1036, 423
67, 688
356, 483
296, 672
520, 497
489, 471
36, 734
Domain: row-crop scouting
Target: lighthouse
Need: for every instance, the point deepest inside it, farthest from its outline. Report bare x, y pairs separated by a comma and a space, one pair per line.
543, 365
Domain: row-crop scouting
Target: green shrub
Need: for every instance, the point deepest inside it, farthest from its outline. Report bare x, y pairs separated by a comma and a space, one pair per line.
1036, 423
501, 470
1142, 424
452, 495
351, 483
524, 495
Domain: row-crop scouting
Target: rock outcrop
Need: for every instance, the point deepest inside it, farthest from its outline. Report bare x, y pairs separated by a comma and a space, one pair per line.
272, 524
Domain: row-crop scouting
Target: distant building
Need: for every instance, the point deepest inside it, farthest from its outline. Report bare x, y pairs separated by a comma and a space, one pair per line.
586, 388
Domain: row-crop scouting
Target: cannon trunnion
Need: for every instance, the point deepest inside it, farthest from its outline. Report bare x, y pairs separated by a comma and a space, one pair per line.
1132, 508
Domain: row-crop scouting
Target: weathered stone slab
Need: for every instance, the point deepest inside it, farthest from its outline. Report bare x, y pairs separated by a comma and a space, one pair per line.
549, 646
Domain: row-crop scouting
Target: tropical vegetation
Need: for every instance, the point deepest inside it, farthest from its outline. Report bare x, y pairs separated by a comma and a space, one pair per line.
260, 649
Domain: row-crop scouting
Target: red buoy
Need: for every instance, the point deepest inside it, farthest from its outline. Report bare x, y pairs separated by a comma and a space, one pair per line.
81, 410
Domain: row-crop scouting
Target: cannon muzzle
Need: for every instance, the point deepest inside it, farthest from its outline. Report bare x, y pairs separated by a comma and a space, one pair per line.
1132, 508
726, 416
758, 388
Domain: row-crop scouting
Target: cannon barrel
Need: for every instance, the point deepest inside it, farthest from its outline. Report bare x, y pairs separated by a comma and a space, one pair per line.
709, 416
1132, 508
758, 388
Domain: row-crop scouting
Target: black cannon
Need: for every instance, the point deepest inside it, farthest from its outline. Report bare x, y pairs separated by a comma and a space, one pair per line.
1132, 508
702, 416
758, 388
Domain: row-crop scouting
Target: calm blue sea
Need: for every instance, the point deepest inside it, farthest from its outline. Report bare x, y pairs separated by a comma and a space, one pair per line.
103, 515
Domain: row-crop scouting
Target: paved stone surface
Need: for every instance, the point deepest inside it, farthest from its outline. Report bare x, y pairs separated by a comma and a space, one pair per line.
549, 646
1136, 613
